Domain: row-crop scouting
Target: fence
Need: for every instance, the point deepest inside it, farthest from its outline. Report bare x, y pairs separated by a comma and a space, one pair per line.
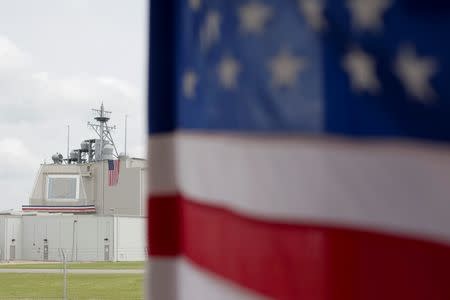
78, 254
63, 279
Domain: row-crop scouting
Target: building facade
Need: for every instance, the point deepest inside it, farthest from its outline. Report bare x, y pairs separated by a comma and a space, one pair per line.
42, 237
85, 188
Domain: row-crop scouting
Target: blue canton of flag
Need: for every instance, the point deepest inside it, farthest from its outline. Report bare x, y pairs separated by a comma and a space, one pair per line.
357, 68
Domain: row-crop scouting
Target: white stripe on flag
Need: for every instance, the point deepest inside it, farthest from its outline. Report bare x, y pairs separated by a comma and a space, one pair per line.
392, 187
177, 278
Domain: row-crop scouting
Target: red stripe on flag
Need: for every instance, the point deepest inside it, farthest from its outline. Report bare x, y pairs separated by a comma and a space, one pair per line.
294, 261
164, 226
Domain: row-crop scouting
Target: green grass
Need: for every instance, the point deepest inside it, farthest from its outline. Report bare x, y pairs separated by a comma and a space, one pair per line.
80, 286
91, 265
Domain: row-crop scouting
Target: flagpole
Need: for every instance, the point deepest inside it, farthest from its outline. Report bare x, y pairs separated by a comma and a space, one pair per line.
68, 136
103, 188
126, 117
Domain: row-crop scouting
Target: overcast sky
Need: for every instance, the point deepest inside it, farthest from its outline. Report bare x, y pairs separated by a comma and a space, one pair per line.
59, 59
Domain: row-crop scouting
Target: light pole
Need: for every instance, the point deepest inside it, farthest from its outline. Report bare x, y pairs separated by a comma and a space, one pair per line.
73, 239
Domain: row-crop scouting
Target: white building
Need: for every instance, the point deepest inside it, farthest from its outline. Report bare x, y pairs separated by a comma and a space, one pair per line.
77, 206
82, 237
85, 188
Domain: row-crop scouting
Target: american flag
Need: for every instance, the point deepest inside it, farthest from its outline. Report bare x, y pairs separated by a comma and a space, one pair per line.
113, 172
299, 149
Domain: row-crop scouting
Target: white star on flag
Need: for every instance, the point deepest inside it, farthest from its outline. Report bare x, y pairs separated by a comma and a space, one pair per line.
253, 17
228, 70
284, 68
415, 73
189, 83
361, 69
313, 12
368, 14
210, 31
195, 4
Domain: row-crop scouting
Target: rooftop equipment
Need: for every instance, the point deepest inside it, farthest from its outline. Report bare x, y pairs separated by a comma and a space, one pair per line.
91, 150
57, 158
103, 131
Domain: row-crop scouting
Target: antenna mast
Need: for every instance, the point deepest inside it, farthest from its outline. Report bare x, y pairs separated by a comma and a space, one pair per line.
102, 129
126, 117
68, 135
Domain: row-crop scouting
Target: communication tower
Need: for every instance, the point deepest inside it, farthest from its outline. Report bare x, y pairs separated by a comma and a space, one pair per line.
105, 143
101, 148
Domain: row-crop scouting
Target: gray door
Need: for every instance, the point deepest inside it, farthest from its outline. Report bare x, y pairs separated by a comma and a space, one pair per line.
45, 252
12, 252
106, 252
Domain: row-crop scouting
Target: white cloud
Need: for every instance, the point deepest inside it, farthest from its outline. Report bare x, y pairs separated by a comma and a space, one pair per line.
37, 96
12, 147
18, 165
11, 57
123, 87
15, 156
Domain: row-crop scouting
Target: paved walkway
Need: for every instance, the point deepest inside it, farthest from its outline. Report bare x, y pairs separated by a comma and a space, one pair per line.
75, 271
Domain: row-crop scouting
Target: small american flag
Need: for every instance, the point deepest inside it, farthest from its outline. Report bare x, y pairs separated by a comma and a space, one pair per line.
113, 172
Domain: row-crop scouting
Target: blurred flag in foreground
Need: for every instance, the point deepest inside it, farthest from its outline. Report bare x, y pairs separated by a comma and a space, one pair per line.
299, 149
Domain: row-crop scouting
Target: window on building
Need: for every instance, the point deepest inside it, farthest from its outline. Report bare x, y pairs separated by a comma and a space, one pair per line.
62, 187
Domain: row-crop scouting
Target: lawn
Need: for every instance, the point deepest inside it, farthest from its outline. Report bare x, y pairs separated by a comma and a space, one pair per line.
90, 265
80, 286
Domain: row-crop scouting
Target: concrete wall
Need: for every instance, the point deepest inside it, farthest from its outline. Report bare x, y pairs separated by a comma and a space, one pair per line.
128, 246
10, 237
144, 192
126, 197
2, 238
14, 237
83, 237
